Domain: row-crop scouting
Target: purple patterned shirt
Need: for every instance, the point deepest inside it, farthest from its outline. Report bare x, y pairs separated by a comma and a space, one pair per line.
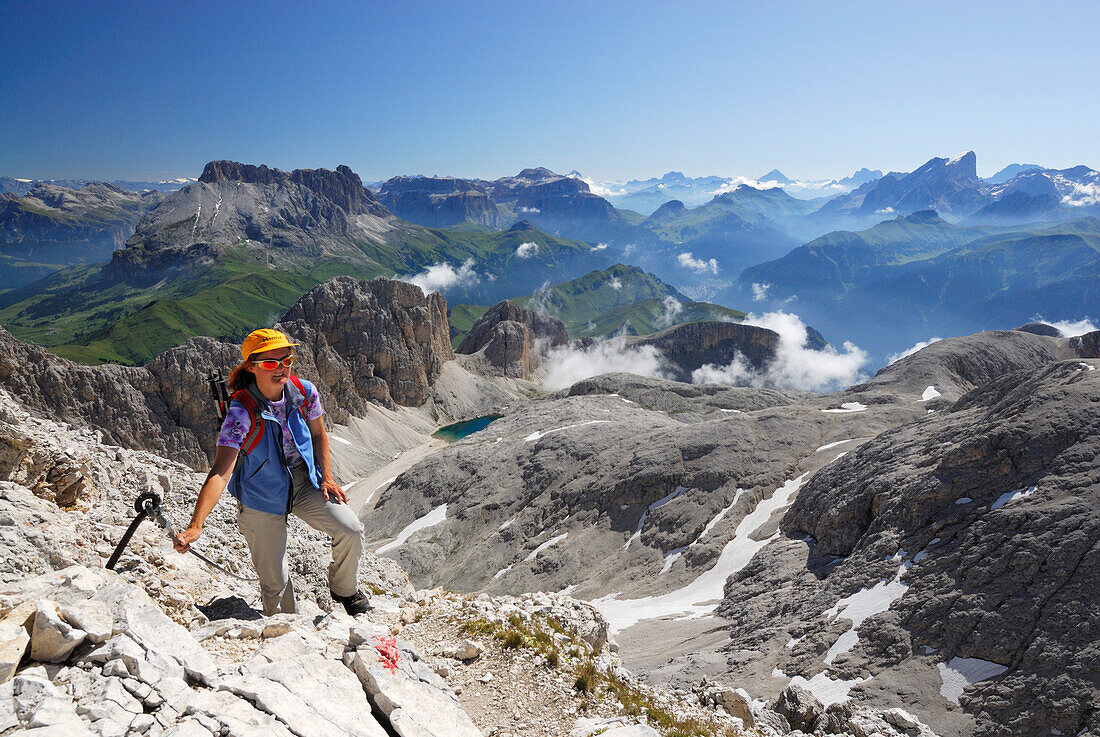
236, 425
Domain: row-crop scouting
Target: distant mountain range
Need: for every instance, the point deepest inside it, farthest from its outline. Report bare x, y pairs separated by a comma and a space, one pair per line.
52, 226
242, 242
23, 186
918, 276
621, 300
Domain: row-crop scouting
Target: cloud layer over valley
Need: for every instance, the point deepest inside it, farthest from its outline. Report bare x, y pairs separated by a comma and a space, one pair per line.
796, 366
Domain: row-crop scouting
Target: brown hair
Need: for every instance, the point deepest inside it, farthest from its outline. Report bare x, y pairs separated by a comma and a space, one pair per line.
241, 378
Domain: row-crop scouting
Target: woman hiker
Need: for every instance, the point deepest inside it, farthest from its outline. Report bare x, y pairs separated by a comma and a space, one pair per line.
277, 465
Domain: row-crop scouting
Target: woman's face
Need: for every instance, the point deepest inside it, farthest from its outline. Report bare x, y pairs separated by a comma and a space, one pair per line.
271, 381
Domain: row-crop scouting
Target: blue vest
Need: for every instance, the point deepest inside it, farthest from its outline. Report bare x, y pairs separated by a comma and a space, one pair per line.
261, 480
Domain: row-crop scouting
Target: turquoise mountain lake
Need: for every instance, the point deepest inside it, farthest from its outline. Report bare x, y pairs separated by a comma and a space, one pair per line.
459, 430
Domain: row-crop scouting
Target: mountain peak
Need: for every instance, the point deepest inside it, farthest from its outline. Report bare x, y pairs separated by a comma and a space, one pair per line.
924, 217
774, 176
522, 225
966, 162
342, 186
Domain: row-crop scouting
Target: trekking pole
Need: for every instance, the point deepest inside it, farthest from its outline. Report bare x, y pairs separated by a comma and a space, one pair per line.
148, 505
219, 391
140, 506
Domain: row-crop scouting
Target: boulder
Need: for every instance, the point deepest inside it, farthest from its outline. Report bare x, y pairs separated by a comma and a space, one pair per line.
52, 638
800, 708
310, 694
417, 702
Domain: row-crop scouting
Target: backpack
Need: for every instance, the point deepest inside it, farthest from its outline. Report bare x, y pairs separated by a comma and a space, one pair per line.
256, 422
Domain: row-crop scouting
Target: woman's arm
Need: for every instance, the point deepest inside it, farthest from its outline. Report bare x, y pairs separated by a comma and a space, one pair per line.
209, 495
324, 463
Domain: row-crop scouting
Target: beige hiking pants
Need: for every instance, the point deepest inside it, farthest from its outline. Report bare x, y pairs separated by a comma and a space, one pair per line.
266, 537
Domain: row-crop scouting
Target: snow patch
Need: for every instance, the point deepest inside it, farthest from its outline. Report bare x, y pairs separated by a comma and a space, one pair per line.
833, 445
827, 690
655, 505
963, 500
432, 518
958, 673
552, 541
848, 407
378, 488
701, 596
540, 434
929, 393
339, 439
862, 605
1012, 496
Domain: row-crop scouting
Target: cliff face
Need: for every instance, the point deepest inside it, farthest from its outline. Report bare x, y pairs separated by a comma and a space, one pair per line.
513, 338
380, 341
303, 213
439, 202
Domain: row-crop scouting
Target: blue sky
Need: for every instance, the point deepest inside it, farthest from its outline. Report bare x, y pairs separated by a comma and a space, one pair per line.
482, 89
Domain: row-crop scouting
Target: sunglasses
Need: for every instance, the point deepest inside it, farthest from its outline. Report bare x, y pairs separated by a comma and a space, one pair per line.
272, 363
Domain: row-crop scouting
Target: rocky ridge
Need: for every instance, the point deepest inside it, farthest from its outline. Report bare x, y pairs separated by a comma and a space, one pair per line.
381, 341
53, 226
315, 213
514, 340
166, 646
439, 202
635, 495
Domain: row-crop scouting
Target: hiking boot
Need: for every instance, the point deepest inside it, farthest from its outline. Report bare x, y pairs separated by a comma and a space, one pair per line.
354, 604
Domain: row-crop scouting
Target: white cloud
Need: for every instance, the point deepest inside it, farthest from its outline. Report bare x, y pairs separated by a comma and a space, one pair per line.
885, 211
911, 350
599, 247
566, 365
795, 366
438, 277
673, 307
527, 250
736, 182
697, 265
1071, 328
533, 210
760, 291
540, 301
1083, 194
616, 283
604, 189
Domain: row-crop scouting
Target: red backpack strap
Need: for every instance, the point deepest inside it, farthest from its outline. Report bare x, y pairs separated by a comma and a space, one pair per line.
256, 423
305, 397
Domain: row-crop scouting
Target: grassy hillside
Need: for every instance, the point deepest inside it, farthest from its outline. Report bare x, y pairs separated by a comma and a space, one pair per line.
606, 302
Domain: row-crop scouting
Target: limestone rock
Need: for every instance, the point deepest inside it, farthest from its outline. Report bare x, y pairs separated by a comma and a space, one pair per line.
691, 346
381, 340
407, 692
310, 694
464, 650
514, 339
799, 707
52, 638
439, 202
14, 638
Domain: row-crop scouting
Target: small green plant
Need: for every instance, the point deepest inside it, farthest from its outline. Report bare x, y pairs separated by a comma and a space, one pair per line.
512, 639
553, 659
479, 626
587, 677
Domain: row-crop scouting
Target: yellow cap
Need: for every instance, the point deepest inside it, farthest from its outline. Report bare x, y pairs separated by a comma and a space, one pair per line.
264, 339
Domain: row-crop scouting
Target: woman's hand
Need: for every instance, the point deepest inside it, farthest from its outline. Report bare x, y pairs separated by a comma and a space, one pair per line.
330, 487
183, 541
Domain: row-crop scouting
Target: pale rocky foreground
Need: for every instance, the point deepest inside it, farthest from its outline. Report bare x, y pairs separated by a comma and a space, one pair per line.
166, 647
